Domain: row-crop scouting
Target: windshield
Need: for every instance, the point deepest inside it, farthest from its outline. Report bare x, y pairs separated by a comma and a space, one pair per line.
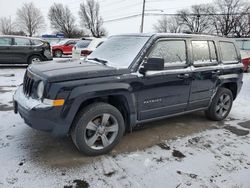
119, 51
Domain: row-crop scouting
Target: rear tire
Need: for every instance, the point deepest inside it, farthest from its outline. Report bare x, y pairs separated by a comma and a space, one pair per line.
57, 53
221, 105
34, 59
97, 129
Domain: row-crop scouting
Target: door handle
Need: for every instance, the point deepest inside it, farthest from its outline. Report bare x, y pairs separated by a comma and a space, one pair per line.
183, 76
217, 72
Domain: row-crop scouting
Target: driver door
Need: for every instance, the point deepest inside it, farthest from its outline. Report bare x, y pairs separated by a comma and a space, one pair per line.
166, 92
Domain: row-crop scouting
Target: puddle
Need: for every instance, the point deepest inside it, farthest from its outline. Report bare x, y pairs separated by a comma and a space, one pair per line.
4, 107
245, 124
238, 132
78, 184
4, 90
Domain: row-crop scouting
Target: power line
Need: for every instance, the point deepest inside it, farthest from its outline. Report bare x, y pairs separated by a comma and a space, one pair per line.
164, 14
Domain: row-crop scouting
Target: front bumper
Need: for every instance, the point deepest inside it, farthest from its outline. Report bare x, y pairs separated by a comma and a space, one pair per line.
38, 115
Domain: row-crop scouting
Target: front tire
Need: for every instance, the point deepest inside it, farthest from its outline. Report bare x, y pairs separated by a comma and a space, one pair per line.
98, 129
221, 105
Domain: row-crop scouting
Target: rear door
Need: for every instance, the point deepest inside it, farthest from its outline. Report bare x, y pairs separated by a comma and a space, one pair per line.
206, 71
5, 52
21, 50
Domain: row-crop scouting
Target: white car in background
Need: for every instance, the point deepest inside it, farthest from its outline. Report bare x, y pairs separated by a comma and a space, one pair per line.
85, 47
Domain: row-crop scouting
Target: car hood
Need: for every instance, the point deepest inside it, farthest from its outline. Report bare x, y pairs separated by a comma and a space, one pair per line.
66, 70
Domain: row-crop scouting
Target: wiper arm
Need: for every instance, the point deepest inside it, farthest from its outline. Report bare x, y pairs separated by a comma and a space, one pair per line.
103, 61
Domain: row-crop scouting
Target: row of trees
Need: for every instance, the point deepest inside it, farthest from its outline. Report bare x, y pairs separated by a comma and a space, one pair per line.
30, 21
223, 17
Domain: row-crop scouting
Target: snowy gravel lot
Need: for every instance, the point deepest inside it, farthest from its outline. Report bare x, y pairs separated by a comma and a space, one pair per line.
186, 151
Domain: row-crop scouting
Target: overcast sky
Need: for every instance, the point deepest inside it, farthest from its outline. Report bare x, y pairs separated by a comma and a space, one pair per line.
110, 9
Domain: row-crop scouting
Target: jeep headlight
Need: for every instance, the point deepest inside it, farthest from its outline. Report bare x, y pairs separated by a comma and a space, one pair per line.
40, 89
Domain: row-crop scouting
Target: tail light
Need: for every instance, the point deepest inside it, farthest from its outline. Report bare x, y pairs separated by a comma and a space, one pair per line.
85, 52
246, 61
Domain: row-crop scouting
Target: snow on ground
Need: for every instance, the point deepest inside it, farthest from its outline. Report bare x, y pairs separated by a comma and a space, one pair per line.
217, 157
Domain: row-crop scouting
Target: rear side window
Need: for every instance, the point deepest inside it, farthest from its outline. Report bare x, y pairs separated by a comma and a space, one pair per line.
5, 41
228, 52
240, 44
246, 45
21, 42
204, 53
83, 44
173, 52
36, 42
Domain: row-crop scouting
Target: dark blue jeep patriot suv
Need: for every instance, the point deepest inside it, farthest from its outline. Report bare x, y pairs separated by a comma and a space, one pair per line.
129, 80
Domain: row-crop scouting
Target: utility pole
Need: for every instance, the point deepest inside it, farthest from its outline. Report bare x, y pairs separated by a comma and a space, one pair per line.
143, 14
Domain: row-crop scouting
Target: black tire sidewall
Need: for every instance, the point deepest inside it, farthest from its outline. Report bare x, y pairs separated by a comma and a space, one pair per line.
212, 109
32, 57
87, 115
56, 51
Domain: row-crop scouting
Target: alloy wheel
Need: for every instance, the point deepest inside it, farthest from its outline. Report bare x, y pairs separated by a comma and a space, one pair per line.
101, 131
223, 105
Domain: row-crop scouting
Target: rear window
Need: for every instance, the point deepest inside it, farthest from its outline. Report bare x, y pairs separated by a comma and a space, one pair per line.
204, 52
22, 42
5, 41
83, 44
228, 52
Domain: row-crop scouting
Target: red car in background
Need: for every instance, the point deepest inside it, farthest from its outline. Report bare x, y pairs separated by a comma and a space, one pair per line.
244, 45
64, 47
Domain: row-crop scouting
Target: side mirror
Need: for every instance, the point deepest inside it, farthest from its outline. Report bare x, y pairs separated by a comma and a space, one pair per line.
152, 64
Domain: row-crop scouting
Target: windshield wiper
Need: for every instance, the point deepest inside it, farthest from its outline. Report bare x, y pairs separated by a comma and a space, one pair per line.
102, 61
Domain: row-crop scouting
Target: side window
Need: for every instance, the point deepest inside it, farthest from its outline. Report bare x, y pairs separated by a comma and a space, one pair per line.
5, 41
22, 42
71, 43
246, 45
240, 44
228, 52
173, 52
36, 42
204, 53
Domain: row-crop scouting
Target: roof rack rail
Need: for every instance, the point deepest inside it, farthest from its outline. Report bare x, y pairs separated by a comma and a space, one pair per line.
197, 33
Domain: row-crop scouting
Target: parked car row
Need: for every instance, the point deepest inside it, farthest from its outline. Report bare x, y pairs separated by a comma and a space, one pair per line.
27, 50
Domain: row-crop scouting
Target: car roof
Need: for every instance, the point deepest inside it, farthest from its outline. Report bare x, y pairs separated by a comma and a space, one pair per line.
18, 36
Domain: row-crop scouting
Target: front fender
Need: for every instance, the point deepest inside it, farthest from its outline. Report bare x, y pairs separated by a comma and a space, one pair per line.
83, 93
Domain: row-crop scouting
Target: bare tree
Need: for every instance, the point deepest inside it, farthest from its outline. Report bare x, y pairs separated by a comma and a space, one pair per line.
6, 26
91, 19
194, 20
62, 20
167, 25
229, 15
242, 25
30, 19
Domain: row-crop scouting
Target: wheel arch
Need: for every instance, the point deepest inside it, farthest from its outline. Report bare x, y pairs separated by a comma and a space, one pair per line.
120, 98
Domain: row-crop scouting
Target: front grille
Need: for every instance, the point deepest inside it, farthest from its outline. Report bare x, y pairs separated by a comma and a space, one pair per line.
28, 83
